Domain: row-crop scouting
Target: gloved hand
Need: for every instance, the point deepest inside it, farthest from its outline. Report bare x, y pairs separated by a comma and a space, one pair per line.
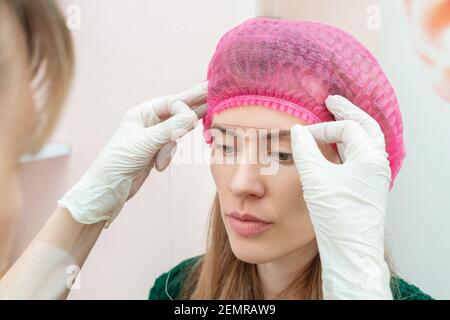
347, 202
144, 139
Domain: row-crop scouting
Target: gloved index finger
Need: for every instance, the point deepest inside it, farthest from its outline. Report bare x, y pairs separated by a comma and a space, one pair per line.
346, 132
343, 109
183, 120
160, 109
194, 96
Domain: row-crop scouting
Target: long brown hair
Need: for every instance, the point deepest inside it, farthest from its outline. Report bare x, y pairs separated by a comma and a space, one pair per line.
219, 275
51, 59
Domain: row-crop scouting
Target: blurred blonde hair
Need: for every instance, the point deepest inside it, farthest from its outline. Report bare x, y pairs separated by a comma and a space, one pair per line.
51, 59
219, 275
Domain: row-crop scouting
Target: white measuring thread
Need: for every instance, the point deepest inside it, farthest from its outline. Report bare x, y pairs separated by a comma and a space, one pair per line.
170, 233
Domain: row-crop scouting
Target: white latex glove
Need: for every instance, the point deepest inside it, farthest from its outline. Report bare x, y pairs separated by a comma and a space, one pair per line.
144, 139
347, 202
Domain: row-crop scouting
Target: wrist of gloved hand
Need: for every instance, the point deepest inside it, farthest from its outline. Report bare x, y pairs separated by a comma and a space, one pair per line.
354, 272
90, 202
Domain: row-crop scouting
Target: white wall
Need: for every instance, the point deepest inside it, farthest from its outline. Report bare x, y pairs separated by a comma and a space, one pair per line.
131, 51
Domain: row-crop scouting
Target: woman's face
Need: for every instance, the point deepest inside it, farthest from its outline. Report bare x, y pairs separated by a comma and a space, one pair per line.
276, 197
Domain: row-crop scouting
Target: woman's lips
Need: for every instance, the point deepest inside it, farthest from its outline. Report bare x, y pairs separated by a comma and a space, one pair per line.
247, 228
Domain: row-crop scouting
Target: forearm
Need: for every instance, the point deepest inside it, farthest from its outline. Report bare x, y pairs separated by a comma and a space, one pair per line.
43, 271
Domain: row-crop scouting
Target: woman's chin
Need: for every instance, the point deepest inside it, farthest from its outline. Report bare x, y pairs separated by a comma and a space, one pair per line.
251, 256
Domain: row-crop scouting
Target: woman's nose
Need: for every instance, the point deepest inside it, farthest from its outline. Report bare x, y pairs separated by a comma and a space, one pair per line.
247, 178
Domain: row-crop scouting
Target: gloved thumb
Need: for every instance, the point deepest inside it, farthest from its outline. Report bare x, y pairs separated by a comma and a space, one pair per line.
305, 151
164, 156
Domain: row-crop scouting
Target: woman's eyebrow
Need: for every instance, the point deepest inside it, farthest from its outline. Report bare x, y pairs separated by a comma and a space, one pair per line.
223, 128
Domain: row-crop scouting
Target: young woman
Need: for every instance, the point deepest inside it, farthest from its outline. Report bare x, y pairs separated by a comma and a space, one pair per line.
314, 229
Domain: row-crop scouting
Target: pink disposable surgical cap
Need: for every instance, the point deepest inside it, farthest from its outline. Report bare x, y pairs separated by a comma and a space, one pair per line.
292, 67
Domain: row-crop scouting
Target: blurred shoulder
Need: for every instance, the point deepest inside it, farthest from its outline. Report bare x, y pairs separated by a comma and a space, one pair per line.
402, 290
174, 278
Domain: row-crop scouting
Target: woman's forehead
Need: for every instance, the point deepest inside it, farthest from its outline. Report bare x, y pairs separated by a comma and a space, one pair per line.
256, 117
249, 131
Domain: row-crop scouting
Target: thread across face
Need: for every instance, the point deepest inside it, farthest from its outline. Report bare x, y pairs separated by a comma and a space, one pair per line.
235, 144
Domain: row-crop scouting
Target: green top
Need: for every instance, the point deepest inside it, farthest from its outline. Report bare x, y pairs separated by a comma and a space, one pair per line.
179, 273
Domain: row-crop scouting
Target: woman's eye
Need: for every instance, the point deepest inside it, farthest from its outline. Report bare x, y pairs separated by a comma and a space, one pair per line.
225, 149
283, 156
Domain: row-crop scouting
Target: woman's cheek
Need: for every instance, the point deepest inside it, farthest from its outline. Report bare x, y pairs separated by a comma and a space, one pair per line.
290, 192
287, 190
